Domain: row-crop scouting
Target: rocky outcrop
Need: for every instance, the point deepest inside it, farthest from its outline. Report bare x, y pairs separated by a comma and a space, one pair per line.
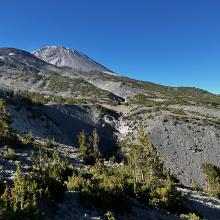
61, 56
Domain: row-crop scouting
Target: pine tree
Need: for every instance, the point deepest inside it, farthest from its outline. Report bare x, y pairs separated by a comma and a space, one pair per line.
24, 192
151, 165
152, 183
95, 144
143, 160
83, 143
212, 177
18, 190
7, 135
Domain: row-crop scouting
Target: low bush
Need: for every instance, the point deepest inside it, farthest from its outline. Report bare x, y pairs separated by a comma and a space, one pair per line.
103, 192
48, 144
110, 215
45, 182
191, 216
9, 154
143, 177
27, 139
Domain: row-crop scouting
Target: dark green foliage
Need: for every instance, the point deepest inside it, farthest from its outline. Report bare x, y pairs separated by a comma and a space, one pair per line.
27, 139
50, 174
83, 143
95, 144
58, 83
191, 216
212, 176
151, 182
144, 178
147, 101
178, 111
45, 182
7, 135
110, 215
31, 97
104, 191
181, 95
48, 144
24, 192
9, 154
173, 96
92, 94
80, 88
89, 147
20, 201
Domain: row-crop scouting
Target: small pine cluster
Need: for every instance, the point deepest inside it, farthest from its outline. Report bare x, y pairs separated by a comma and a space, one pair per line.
143, 177
44, 183
89, 147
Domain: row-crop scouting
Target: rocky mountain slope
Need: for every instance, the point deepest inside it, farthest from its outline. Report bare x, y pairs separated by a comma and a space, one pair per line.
183, 123
61, 56
57, 92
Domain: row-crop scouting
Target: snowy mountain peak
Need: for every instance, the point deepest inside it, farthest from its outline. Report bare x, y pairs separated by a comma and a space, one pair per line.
61, 56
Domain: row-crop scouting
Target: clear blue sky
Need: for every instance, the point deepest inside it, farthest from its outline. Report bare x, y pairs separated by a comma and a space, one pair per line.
171, 42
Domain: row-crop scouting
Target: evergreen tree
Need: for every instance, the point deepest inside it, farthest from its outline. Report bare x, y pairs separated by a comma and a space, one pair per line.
83, 143
212, 177
18, 190
95, 143
24, 192
89, 147
144, 162
151, 182
7, 135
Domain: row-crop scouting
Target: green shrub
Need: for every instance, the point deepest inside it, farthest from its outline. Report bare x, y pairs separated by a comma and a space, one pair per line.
102, 191
48, 144
20, 201
89, 147
191, 216
178, 111
151, 182
45, 182
9, 154
50, 173
143, 177
166, 197
77, 183
27, 139
7, 135
110, 215
58, 83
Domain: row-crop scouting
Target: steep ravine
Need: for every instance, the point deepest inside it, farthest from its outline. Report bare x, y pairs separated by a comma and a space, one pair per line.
63, 123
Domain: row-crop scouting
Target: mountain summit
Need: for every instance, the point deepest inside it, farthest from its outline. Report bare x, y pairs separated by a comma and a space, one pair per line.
61, 56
